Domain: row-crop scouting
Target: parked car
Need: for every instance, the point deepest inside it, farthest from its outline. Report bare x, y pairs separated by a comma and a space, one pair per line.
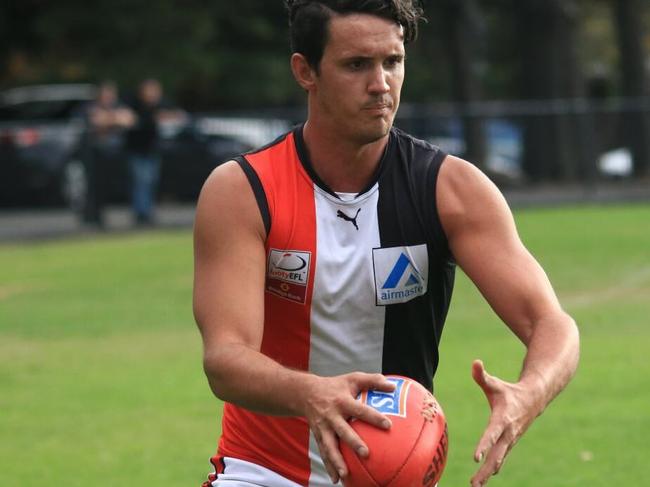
41, 131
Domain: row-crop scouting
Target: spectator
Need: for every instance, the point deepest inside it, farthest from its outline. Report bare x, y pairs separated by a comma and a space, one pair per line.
143, 147
105, 118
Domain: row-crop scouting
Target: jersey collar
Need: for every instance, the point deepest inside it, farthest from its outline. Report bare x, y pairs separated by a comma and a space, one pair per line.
305, 160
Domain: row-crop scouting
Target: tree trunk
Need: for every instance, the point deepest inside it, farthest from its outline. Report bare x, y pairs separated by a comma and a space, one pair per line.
463, 26
636, 124
550, 71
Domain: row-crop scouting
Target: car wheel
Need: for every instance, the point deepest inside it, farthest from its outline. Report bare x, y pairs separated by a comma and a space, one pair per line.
74, 185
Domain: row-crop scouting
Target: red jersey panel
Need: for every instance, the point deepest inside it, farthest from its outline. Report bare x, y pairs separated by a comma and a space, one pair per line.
281, 444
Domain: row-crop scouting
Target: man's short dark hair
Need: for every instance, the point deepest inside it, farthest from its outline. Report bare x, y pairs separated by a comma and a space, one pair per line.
309, 21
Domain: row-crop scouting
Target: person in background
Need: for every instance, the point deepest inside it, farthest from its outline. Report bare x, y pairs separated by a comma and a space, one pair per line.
143, 147
105, 119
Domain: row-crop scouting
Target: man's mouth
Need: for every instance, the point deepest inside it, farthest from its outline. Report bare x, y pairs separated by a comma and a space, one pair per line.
378, 107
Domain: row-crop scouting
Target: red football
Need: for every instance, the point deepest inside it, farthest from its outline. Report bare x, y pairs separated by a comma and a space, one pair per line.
413, 452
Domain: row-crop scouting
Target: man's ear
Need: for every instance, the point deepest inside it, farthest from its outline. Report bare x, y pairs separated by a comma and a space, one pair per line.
303, 72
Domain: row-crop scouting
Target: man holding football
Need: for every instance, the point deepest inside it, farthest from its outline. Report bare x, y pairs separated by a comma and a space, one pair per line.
326, 260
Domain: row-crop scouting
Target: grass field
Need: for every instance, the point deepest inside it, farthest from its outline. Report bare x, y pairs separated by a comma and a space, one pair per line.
101, 381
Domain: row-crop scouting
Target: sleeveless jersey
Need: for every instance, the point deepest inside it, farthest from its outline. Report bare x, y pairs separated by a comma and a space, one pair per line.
352, 284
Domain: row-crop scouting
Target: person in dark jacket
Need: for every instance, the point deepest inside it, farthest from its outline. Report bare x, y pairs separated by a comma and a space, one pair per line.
143, 147
106, 119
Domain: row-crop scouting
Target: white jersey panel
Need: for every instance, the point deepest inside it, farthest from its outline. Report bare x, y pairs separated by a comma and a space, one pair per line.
318, 476
347, 328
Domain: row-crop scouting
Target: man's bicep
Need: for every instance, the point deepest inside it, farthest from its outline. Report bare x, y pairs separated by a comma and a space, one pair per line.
229, 261
484, 241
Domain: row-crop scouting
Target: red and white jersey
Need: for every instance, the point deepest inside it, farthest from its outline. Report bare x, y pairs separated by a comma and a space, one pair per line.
356, 282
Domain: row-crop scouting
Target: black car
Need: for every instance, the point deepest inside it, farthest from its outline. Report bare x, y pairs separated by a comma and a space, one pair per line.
41, 131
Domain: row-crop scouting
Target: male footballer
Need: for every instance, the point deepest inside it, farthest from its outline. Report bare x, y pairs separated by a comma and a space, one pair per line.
326, 260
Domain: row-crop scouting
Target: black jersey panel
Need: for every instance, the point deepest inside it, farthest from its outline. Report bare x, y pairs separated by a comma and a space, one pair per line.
408, 217
258, 191
424, 178
254, 180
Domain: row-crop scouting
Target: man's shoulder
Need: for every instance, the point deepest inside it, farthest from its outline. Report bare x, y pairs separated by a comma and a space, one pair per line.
279, 140
416, 143
271, 157
416, 154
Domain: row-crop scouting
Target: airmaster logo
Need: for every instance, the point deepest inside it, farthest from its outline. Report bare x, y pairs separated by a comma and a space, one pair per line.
401, 273
287, 274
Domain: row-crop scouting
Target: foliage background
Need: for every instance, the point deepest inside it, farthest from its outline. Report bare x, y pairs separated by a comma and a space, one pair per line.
225, 55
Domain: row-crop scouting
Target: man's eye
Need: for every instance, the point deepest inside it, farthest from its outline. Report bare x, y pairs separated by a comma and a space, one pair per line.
357, 64
393, 61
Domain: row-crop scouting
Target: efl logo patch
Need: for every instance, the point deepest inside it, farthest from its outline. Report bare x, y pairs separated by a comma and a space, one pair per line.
390, 403
401, 273
287, 274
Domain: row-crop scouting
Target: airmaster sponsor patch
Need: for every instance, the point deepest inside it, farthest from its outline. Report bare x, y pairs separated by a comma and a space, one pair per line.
401, 273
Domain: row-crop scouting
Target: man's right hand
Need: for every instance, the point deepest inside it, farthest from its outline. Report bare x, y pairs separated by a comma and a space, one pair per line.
330, 402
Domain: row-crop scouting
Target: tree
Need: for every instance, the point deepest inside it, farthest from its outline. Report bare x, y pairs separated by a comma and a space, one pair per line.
210, 54
464, 34
550, 71
634, 80
18, 35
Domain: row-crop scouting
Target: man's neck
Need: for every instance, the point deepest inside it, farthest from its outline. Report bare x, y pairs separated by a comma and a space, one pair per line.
345, 166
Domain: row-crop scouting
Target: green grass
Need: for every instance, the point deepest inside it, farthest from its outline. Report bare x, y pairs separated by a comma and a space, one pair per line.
596, 432
100, 362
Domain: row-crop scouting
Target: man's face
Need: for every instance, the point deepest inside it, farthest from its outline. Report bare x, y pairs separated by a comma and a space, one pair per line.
151, 92
357, 89
107, 96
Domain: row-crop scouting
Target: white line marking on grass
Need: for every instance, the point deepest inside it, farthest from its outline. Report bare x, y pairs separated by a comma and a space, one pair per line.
630, 283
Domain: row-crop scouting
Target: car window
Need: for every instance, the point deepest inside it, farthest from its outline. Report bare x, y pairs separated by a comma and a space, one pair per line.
40, 110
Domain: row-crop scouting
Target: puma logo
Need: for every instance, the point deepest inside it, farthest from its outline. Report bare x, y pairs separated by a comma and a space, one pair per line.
347, 218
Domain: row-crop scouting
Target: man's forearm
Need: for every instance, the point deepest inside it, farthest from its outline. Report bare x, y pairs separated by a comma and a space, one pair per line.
246, 377
552, 357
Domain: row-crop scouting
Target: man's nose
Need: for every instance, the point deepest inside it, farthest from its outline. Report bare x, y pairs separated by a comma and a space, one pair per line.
378, 82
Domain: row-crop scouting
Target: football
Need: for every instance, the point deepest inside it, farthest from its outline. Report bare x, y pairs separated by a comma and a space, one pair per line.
413, 452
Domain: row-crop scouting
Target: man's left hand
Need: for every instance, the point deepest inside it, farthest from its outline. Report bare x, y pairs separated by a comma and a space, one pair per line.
514, 407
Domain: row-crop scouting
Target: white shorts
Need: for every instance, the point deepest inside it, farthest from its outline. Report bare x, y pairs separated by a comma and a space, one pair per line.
239, 473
